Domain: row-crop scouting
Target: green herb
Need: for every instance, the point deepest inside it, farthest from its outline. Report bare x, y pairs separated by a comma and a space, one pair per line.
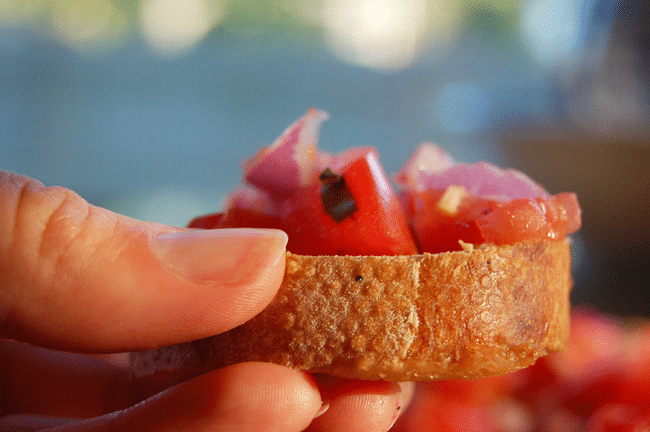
337, 199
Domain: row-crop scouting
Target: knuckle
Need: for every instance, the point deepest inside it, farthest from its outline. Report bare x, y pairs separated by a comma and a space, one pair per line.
37, 226
64, 219
47, 221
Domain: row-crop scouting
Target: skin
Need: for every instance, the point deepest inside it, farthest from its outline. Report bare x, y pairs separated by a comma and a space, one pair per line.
80, 286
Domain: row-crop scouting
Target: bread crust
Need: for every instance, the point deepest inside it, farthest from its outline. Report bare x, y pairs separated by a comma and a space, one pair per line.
463, 315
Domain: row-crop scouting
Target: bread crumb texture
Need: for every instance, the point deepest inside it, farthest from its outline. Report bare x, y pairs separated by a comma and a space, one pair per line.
459, 315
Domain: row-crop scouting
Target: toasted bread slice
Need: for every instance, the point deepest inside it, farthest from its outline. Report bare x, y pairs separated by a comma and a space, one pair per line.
468, 314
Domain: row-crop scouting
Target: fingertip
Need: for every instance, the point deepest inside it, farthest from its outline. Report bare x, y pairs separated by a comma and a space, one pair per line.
405, 391
237, 271
356, 405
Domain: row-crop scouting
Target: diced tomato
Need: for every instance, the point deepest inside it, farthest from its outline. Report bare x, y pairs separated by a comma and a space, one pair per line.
246, 218
479, 203
442, 203
550, 218
378, 227
479, 220
246, 208
436, 230
208, 221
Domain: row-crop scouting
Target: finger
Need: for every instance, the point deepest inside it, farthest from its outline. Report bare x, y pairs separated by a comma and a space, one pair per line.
409, 390
359, 406
243, 397
78, 277
29, 423
54, 383
408, 393
62, 384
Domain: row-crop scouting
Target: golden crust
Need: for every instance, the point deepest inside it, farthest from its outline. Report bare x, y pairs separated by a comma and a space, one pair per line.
465, 314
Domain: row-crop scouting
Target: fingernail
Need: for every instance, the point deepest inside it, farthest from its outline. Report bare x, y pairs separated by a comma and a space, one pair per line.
233, 255
323, 408
399, 405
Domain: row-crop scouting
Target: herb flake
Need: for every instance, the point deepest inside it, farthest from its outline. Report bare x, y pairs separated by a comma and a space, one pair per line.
338, 201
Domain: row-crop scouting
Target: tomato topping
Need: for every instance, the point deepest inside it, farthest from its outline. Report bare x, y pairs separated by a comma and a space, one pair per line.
377, 227
437, 228
318, 222
551, 218
477, 220
206, 221
352, 209
238, 218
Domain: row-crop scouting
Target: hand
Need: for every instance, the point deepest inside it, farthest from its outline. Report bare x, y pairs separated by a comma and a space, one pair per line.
78, 282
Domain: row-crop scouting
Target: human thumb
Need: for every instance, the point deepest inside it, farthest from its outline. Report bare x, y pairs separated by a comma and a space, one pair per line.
78, 277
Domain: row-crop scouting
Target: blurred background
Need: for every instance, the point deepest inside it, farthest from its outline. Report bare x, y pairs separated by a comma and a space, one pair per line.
148, 107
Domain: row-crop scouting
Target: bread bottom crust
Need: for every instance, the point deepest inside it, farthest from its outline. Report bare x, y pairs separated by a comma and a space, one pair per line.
458, 315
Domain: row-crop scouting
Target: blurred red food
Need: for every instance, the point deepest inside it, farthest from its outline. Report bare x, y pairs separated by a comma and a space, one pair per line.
600, 383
